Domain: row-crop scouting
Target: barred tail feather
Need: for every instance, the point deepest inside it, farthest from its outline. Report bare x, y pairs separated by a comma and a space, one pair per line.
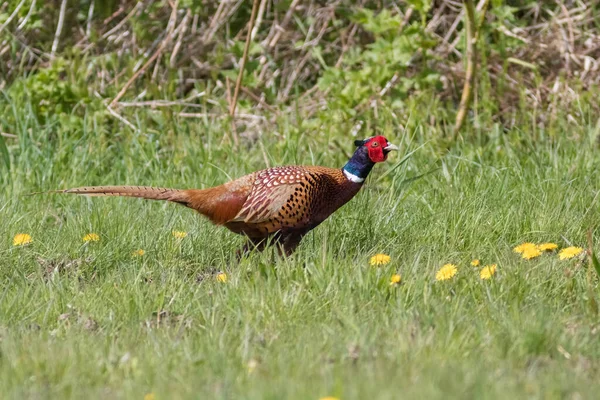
143, 192
219, 204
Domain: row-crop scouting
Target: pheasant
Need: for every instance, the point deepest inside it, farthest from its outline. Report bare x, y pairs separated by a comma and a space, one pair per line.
276, 205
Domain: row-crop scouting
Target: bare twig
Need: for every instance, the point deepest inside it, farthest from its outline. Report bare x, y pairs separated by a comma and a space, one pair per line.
139, 72
389, 85
453, 27
406, 18
480, 7
8, 135
113, 16
578, 18
123, 21
88, 26
184, 23
221, 16
238, 83
259, 17
154, 56
121, 118
12, 16
259, 100
204, 115
433, 23
228, 91
505, 31
286, 20
29, 13
61, 21
292, 77
230, 102
471, 55
195, 24
213, 22
159, 103
346, 43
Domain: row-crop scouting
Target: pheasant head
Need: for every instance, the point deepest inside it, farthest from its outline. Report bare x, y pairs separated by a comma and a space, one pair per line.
369, 152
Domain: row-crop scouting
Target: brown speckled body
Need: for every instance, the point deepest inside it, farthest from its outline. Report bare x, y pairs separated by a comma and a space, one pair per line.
283, 202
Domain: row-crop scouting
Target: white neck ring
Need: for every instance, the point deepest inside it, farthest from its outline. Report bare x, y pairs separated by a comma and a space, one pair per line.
353, 178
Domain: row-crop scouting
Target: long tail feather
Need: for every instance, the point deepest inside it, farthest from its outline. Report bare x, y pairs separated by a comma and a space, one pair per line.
144, 192
216, 203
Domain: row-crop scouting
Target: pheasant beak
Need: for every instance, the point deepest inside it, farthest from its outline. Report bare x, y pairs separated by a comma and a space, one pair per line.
390, 147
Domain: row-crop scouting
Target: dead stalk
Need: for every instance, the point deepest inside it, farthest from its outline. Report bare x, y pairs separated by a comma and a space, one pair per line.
61, 21
281, 28
12, 16
259, 18
154, 56
88, 26
24, 22
471, 55
177, 46
238, 83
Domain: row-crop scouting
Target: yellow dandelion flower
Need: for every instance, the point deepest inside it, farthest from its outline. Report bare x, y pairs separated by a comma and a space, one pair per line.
149, 396
569, 252
21, 239
329, 398
446, 272
530, 253
524, 247
475, 262
488, 271
395, 279
548, 246
139, 253
179, 234
222, 277
91, 237
380, 259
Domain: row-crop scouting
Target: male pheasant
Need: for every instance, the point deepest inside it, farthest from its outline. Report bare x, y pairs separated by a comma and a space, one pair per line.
279, 203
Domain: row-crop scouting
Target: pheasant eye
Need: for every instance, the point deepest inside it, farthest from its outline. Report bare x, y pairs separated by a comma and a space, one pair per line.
375, 144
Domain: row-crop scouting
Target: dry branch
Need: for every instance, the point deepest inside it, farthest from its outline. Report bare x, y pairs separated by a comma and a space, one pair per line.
12, 16
29, 13
177, 46
471, 55
88, 25
154, 56
259, 100
123, 21
281, 28
61, 21
238, 83
121, 118
259, 18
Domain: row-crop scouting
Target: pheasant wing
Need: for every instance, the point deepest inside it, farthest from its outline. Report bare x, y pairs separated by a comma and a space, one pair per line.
278, 199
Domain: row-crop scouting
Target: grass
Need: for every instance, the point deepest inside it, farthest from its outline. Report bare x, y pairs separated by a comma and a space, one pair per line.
92, 320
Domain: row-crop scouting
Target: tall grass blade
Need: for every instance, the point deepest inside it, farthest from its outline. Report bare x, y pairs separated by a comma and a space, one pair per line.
593, 258
4, 156
593, 262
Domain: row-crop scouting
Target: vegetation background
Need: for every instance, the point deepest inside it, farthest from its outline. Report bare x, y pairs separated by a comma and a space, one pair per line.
147, 92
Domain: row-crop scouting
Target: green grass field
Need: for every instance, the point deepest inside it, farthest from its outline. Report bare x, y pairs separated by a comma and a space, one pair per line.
94, 320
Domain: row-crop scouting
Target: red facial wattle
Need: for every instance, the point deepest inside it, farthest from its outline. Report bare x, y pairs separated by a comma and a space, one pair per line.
376, 147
